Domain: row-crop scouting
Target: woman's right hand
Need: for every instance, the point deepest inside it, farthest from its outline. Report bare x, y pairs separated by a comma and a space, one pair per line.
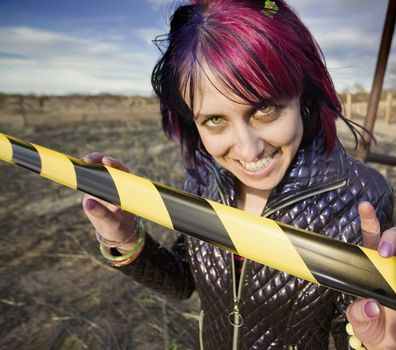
110, 221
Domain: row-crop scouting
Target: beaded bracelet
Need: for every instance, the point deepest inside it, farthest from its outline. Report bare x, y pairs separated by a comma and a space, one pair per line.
354, 341
106, 253
113, 244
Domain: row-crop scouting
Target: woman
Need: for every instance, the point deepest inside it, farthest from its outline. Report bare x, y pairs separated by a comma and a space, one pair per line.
243, 87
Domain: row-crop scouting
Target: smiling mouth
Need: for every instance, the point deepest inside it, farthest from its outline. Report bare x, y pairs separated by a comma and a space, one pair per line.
258, 164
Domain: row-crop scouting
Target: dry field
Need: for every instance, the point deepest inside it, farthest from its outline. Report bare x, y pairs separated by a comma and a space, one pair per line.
55, 290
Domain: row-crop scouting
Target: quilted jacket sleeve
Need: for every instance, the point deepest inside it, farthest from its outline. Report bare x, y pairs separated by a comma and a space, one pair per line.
384, 210
162, 270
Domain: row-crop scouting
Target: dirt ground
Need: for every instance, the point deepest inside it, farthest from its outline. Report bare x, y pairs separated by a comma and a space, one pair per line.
55, 290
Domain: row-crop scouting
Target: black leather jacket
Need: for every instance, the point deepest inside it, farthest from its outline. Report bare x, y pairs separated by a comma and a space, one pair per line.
320, 193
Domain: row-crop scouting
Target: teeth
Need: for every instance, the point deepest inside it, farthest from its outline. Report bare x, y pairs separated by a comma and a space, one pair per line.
258, 165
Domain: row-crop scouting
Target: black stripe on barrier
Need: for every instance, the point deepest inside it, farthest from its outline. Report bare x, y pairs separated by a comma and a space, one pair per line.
195, 216
95, 180
351, 270
25, 155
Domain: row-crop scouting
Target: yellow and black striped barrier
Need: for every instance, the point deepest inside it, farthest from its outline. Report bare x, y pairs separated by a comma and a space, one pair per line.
345, 267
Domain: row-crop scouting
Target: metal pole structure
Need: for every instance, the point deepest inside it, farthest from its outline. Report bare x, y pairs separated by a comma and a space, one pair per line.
375, 95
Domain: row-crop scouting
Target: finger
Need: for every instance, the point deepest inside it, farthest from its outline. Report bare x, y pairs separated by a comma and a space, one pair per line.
111, 225
94, 157
114, 163
99, 214
387, 245
370, 225
108, 205
95, 209
367, 320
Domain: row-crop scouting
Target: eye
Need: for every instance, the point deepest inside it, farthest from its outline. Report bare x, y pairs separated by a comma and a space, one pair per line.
215, 121
266, 110
267, 114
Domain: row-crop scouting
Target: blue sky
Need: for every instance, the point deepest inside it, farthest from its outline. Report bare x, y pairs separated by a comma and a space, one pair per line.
96, 46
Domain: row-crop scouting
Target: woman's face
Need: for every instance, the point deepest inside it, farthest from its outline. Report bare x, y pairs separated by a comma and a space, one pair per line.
257, 146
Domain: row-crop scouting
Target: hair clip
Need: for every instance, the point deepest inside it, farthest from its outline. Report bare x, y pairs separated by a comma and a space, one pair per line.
270, 8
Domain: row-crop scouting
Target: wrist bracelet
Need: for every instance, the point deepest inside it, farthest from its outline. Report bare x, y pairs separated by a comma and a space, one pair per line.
131, 259
354, 341
106, 253
113, 244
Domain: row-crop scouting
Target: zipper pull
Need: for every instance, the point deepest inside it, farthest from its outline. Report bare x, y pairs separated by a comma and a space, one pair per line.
235, 318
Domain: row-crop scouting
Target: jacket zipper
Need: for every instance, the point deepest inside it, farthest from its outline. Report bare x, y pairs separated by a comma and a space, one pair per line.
200, 324
235, 317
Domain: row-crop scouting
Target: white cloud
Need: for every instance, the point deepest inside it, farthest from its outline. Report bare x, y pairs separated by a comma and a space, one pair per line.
345, 73
349, 33
157, 4
48, 62
148, 34
34, 35
350, 55
347, 39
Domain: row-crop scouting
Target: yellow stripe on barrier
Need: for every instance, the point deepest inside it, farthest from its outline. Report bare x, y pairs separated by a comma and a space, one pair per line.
388, 269
262, 240
5, 148
57, 167
139, 196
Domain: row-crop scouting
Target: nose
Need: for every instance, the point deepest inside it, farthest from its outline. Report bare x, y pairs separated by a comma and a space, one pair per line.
248, 145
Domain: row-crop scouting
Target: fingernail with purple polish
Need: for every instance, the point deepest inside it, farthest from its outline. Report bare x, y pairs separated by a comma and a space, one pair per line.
90, 204
87, 158
371, 309
93, 155
386, 249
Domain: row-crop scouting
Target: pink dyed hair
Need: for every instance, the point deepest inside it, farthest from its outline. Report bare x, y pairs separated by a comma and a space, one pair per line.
261, 59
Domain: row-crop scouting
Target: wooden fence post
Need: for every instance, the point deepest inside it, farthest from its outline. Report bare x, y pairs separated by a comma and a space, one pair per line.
348, 106
388, 108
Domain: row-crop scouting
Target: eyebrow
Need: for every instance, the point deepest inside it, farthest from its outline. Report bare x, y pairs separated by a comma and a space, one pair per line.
206, 115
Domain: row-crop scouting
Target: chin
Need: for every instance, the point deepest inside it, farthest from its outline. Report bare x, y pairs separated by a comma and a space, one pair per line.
261, 185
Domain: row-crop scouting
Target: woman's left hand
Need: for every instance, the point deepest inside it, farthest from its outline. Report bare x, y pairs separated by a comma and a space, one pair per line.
374, 324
